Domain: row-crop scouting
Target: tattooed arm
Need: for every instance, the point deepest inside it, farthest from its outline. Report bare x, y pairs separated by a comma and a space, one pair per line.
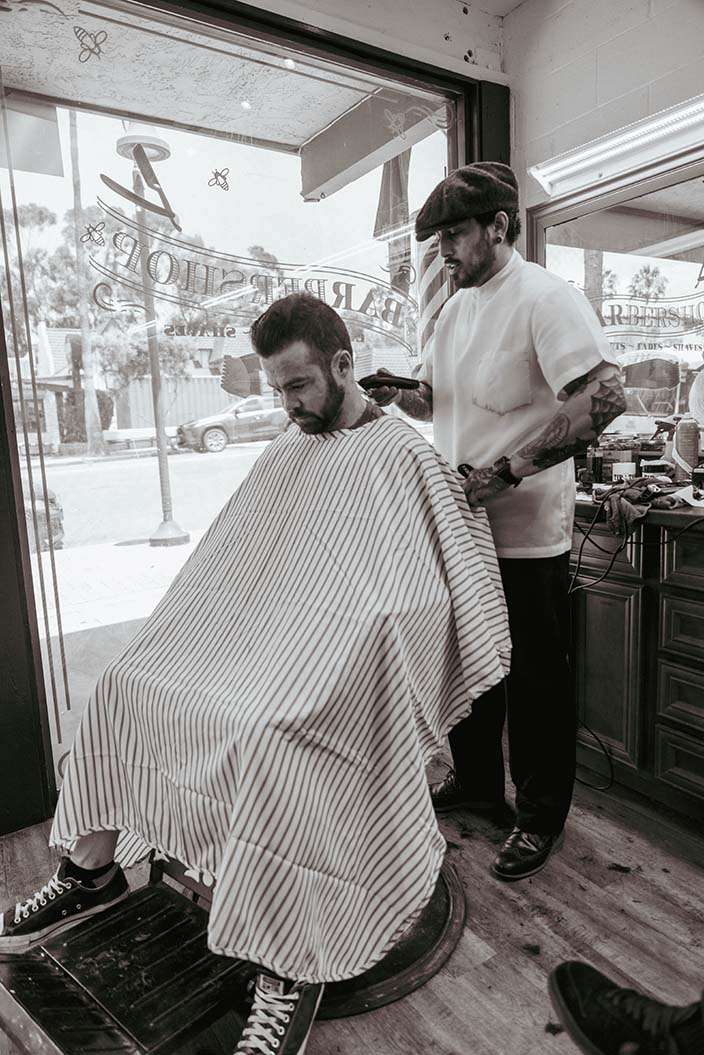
589, 404
416, 402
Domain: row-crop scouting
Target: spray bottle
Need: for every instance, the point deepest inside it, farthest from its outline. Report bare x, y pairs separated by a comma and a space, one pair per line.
685, 452
664, 464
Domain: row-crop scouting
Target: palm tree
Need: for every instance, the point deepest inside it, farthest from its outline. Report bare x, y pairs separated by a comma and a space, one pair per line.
648, 283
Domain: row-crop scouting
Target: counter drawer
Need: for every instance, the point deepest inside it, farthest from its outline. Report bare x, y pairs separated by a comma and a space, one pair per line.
681, 695
682, 625
627, 564
679, 762
683, 558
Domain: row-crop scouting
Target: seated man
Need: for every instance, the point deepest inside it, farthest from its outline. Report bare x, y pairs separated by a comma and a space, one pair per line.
270, 723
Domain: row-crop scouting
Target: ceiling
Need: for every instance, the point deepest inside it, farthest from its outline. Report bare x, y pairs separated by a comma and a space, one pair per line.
683, 201
176, 71
497, 7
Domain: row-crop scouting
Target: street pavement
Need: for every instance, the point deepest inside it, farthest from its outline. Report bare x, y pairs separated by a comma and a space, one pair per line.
118, 500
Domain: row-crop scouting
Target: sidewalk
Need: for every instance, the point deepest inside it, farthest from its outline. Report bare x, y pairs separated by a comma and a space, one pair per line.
106, 584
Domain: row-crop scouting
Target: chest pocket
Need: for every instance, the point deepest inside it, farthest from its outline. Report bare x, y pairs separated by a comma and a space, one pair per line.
502, 382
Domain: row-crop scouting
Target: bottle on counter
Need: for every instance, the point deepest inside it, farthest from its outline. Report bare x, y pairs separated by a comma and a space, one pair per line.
686, 447
595, 463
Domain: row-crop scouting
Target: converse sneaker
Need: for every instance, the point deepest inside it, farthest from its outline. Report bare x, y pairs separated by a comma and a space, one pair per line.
280, 1018
61, 903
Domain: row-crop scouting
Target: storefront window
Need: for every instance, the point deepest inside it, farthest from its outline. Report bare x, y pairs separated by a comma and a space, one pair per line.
641, 265
162, 181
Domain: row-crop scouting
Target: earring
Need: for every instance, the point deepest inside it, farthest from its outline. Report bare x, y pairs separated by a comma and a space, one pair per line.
499, 238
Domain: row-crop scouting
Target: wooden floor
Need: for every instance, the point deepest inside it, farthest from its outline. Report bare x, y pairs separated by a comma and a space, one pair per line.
626, 893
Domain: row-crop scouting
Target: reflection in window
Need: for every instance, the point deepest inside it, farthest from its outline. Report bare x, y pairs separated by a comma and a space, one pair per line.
147, 221
641, 265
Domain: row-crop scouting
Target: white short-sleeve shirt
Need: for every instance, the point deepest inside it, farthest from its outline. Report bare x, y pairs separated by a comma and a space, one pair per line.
500, 355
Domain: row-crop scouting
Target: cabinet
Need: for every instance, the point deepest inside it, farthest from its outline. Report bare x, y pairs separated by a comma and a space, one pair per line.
638, 655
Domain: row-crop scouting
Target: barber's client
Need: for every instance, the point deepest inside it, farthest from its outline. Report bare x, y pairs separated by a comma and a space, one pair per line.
517, 378
262, 754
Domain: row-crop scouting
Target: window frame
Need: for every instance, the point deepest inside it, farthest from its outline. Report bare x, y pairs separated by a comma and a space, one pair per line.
582, 203
481, 133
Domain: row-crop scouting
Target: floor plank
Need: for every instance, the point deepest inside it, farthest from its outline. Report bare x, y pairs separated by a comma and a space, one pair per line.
625, 893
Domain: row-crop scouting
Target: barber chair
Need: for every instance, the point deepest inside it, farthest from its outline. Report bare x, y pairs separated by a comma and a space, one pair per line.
139, 979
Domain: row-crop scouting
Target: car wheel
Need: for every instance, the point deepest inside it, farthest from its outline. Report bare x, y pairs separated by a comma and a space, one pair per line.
214, 440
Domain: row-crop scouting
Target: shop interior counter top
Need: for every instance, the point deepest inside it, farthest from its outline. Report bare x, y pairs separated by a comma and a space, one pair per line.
681, 515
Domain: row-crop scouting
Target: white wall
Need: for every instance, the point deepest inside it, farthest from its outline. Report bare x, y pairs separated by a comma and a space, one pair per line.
579, 69
439, 32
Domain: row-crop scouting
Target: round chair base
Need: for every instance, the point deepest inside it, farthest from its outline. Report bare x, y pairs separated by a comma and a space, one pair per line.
420, 953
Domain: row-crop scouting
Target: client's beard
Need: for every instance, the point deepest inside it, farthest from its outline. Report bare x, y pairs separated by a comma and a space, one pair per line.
326, 420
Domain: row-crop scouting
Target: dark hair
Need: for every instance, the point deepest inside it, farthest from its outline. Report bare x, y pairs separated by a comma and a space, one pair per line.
301, 317
514, 223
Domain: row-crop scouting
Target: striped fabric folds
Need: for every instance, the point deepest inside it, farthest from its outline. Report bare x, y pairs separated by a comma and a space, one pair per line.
270, 723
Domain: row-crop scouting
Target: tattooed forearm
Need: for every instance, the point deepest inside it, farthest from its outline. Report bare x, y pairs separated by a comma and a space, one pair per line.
545, 458
417, 402
482, 484
592, 402
607, 403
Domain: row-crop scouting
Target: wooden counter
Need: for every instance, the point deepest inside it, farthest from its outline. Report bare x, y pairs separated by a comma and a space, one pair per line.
638, 656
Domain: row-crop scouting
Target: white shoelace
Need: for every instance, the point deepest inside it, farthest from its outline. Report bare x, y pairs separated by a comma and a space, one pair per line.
266, 1023
49, 891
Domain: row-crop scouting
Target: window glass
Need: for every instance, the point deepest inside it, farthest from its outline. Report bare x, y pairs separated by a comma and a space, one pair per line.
162, 181
641, 265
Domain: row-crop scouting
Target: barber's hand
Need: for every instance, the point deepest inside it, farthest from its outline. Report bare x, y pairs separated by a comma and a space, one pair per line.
384, 394
480, 484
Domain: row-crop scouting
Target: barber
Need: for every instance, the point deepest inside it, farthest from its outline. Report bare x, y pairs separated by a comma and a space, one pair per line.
517, 378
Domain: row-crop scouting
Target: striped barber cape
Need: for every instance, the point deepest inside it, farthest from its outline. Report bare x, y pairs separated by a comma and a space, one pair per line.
270, 723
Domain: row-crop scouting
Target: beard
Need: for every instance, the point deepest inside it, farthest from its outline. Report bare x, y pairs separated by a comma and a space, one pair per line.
473, 273
325, 419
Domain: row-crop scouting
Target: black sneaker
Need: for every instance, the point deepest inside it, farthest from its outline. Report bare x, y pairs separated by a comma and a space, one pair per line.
602, 1018
280, 1018
61, 903
525, 853
449, 795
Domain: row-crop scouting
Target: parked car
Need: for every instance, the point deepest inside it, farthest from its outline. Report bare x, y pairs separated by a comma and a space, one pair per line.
254, 418
54, 529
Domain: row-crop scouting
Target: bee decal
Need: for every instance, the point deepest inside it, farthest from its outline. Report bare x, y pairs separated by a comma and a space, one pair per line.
220, 179
91, 43
93, 233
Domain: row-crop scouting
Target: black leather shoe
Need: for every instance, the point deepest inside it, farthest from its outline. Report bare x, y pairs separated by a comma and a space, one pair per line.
525, 853
602, 1018
449, 795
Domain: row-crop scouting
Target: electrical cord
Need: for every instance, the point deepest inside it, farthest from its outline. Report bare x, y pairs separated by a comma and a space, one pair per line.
639, 542
609, 761
583, 586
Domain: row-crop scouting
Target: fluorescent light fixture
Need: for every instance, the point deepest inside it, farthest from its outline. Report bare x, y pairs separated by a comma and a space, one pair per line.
677, 133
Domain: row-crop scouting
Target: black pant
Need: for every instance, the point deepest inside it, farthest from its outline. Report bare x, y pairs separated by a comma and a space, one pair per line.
539, 699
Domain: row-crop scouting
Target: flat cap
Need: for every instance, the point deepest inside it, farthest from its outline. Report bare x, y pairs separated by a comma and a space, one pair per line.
485, 186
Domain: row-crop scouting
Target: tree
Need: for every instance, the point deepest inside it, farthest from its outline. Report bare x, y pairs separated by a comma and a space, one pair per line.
125, 357
648, 283
608, 283
599, 282
32, 223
